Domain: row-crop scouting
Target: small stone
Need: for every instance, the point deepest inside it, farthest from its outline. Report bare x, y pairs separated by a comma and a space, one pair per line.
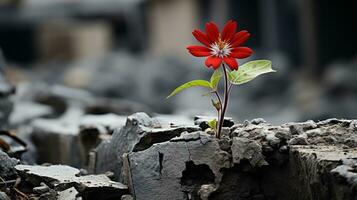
284, 149
298, 141
43, 188
7, 165
225, 132
283, 135
272, 139
313, 132
353, 125
61, 177
3, 196
127, 197
68, 194
243, 148
109, 174
225, 144
296, 129
206, 190
258, 121
210, 131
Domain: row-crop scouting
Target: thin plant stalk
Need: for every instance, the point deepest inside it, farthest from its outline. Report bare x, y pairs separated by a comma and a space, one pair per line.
225, 102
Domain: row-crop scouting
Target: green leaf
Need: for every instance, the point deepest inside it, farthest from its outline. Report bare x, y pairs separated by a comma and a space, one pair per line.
193, 83
216, 76
212, 124
249, 71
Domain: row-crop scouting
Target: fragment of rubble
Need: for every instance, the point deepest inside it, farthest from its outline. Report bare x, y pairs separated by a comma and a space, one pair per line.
283, 134
61, 177
333, 121
139, 133
353, 125
43, 188
175, 169
299, 140
202, 121
347, 171
56, 139
247, 149
25, 112
206, 190
104, 123
68, 194
314, 133
258, 121
69, 139
225, 144
127, 197
7, 165
272, 139
3, 196
298, 128
321, 167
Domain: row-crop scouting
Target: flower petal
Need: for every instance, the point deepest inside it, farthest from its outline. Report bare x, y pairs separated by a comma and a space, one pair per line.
239, 38
212, 31
241, 52
199, 51
201, 37
198, 48
213, 61
231, 62
229, 30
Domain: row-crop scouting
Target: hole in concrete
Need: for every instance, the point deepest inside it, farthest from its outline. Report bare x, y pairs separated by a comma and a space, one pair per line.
237, 183
193, 177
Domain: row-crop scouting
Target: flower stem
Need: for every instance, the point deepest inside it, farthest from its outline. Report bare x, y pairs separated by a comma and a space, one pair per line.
225, 103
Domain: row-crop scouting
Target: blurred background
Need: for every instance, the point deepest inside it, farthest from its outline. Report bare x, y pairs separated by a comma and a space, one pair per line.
134, 52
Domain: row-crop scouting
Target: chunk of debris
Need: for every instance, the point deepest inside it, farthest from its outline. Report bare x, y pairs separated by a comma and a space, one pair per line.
139, 133
251, 150
61, 177
176, 169
7, 166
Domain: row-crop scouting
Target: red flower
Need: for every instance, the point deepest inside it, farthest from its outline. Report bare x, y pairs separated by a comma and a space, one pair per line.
224, 46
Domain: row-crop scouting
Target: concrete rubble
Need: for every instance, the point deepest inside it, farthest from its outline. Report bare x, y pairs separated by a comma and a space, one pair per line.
65, 179
263, 162
142, 157
139, 133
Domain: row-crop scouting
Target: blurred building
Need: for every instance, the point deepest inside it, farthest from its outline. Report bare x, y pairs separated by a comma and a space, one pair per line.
310, 32
311, 43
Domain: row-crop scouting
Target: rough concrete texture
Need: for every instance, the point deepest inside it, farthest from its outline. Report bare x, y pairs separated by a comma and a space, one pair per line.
7, 166
62, 178
258, 161
176, 169
3, 196
139, 133
69, 139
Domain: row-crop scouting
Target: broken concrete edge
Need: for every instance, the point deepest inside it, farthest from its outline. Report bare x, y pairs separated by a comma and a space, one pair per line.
258, 142
61, 178
195, 144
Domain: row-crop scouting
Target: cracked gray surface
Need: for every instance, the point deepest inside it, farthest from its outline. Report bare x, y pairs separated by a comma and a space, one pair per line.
156, 172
